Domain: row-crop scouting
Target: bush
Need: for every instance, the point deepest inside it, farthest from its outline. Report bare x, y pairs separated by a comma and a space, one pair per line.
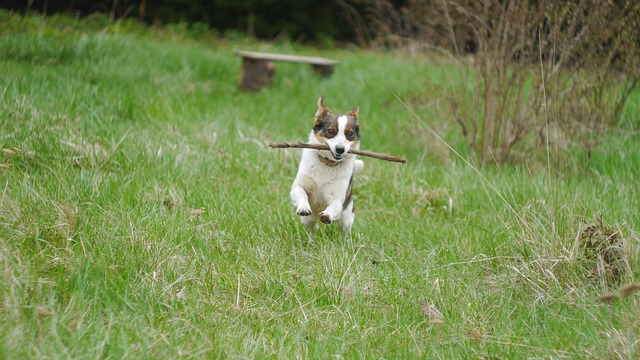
541, 73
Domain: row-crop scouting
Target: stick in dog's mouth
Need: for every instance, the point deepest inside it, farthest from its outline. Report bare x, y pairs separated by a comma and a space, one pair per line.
300, 145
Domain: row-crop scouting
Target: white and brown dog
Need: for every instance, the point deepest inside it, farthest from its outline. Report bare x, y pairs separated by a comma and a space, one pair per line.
323, 187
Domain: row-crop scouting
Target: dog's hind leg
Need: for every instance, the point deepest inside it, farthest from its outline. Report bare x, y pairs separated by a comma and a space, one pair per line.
347, 218
359, 165
310, 224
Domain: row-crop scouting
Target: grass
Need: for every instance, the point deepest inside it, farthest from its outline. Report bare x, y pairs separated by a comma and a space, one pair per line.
143, 215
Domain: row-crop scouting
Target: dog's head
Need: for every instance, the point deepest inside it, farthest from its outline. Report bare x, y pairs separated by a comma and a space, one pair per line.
340, 132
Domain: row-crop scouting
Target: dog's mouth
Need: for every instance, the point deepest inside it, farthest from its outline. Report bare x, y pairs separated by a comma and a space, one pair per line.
336, 157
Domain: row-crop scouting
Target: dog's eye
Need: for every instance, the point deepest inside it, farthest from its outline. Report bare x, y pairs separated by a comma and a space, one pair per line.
349, 134
331, 132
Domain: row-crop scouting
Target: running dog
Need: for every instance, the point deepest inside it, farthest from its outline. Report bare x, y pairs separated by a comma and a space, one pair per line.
322, 189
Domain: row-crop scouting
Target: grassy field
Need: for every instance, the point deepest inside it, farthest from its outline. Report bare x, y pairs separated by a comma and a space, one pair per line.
142, 213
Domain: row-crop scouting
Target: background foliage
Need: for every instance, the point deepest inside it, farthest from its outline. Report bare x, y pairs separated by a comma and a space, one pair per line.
142, 214
538, 75
297, 19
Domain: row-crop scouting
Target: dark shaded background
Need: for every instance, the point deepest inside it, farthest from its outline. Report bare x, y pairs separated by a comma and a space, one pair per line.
297, 19
456, 26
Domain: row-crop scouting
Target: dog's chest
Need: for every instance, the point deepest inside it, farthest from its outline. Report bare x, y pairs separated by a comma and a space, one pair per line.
327, 176
322, 182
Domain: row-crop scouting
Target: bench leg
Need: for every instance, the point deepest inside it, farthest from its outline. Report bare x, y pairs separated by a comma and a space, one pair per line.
256, 74
323, 71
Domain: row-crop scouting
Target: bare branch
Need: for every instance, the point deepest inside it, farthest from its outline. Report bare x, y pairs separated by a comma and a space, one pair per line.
325, 147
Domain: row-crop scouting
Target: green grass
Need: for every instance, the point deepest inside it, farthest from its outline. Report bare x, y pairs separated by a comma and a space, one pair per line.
125, 134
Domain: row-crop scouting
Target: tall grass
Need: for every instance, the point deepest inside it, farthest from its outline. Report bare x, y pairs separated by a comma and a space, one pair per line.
142, 213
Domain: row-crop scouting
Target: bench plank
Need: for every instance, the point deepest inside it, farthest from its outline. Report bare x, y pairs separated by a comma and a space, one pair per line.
313, 60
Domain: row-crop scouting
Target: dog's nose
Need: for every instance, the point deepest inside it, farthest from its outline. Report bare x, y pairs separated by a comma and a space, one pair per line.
339, 150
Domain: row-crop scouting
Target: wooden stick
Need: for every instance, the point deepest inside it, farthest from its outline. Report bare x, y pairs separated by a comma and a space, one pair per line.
325, 147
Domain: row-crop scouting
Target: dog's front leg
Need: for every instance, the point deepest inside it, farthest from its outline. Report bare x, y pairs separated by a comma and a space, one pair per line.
300, 200
332, 212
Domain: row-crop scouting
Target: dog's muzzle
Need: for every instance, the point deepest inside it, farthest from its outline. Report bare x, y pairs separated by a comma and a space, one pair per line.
339, 153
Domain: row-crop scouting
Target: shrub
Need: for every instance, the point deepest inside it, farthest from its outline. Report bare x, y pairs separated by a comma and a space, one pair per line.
541, 73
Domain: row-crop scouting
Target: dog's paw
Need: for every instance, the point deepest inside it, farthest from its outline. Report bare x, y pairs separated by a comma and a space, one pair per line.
325, 218
303, 211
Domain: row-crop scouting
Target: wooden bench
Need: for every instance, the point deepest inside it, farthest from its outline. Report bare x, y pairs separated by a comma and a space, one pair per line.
258, 67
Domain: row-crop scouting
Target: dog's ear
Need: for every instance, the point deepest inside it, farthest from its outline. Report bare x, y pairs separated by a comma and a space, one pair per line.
321, 110
354, 112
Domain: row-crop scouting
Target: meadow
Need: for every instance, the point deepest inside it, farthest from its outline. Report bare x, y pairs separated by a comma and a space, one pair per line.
142, 213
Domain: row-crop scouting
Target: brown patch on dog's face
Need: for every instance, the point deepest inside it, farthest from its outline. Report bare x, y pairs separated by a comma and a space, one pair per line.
325, 123
352, 129
326, 127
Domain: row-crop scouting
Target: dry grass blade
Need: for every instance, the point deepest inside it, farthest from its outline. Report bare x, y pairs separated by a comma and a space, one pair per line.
628, 290
44, 312
430, 312
9, 152
609, 297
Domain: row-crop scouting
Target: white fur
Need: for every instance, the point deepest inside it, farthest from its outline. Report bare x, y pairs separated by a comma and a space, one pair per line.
319, 190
